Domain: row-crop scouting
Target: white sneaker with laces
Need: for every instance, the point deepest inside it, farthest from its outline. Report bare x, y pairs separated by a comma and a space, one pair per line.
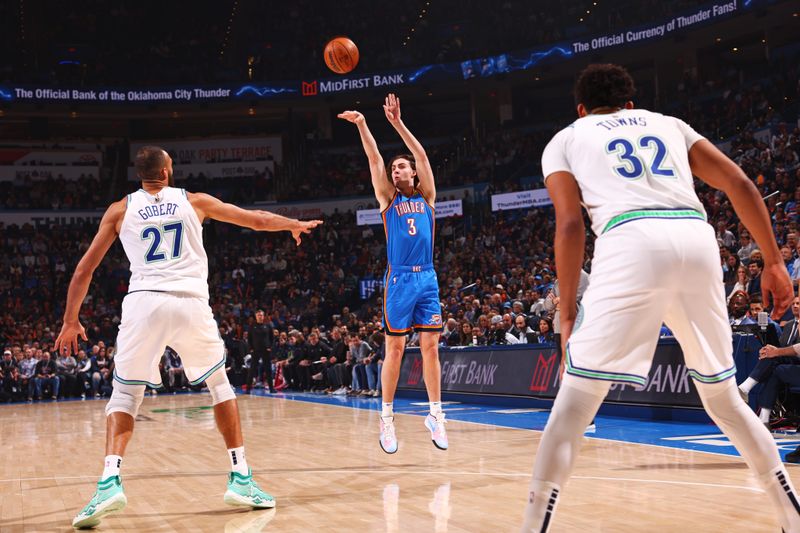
388, 438
438, 433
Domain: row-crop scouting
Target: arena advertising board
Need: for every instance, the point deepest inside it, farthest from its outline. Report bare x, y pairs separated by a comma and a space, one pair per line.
532, 370
239, 169
443, 72
521, 200
217, 150
453, 208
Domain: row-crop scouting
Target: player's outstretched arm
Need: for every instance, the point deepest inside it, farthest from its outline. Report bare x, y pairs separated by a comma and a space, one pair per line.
79, 285
207, 206
391, 108
380, 182
716, 169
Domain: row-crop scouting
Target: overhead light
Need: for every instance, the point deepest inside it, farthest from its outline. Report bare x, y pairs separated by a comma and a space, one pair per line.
718, 39
735, 49
251, 111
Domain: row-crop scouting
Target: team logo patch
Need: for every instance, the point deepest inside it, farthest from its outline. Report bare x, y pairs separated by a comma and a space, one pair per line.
435, 320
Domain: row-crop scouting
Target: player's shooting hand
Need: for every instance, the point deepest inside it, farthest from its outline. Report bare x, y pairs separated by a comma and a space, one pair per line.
352, 116
391, 108
304, 226
68, 338
776, 285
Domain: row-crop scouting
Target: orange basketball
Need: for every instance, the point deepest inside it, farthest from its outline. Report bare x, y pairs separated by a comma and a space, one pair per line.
341, 55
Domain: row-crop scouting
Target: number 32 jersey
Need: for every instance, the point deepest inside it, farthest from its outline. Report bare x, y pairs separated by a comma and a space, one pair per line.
626, 161
163, 239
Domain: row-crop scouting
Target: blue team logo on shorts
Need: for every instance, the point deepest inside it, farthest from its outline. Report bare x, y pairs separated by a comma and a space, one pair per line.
435, 320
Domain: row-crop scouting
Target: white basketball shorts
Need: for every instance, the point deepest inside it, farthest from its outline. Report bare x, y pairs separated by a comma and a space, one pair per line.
646, 272
151, 321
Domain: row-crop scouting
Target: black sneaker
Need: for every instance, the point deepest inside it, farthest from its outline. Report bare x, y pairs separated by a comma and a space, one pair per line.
793, 457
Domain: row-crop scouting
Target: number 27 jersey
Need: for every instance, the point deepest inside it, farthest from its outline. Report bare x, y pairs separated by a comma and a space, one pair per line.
626, 161
409, 225
163, 239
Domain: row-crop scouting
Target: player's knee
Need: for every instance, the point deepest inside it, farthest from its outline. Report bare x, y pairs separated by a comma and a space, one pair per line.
219, 387
125, 399
594, 387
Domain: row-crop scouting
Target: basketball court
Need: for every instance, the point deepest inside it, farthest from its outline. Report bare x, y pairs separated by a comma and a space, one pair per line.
319, 456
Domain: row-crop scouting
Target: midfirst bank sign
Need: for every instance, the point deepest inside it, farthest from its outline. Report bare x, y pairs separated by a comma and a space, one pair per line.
329, 86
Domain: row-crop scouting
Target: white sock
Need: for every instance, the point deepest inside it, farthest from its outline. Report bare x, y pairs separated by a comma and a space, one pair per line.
436, 408
756, 446
542, 501
575, 406
387, 409
763, 415
747, 385
111, 468
779, 489
238, 462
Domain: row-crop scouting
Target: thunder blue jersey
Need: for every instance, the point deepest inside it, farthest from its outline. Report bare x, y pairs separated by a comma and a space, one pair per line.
409, 224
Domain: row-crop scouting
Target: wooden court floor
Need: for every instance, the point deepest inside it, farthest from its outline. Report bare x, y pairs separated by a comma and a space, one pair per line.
327, 472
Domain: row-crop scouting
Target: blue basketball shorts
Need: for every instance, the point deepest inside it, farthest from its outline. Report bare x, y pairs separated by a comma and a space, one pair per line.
411, 300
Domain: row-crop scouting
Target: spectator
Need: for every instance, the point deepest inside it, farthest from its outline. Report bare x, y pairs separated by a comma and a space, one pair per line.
545, 333
521, 331
755, 267
499, 333
742, 282
260, 338
46, 378
747, 247
174, 368
359, 353
67, 371
27, 372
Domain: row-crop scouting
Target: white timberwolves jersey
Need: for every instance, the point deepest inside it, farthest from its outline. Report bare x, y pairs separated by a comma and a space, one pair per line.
628, 161
163, 239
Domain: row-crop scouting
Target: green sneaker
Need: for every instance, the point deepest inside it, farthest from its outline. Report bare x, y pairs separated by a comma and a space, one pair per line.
244, 491
108, 499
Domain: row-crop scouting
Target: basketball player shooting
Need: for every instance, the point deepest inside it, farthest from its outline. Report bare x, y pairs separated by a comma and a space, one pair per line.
160, 228
411, 289
656, 260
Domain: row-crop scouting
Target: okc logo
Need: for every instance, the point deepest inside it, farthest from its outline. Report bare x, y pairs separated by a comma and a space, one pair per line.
435, 320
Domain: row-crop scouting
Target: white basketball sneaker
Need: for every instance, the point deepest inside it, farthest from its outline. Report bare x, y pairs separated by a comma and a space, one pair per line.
388, 439
438, 434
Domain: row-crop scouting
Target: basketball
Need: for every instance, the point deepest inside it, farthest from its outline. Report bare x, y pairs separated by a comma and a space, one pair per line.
341, 55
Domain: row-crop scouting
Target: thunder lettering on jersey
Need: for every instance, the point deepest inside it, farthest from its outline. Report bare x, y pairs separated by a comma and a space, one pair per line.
163, 239
409, 226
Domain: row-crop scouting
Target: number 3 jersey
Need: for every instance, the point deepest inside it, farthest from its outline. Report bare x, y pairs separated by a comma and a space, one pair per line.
409, 224
628, 162
163, 239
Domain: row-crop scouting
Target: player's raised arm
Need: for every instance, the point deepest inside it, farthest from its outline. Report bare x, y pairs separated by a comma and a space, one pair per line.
391, 108
79, 285
208, 206
716, 169
380, 182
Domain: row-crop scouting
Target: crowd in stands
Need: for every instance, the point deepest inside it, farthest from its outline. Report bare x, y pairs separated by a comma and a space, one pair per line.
51, 193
